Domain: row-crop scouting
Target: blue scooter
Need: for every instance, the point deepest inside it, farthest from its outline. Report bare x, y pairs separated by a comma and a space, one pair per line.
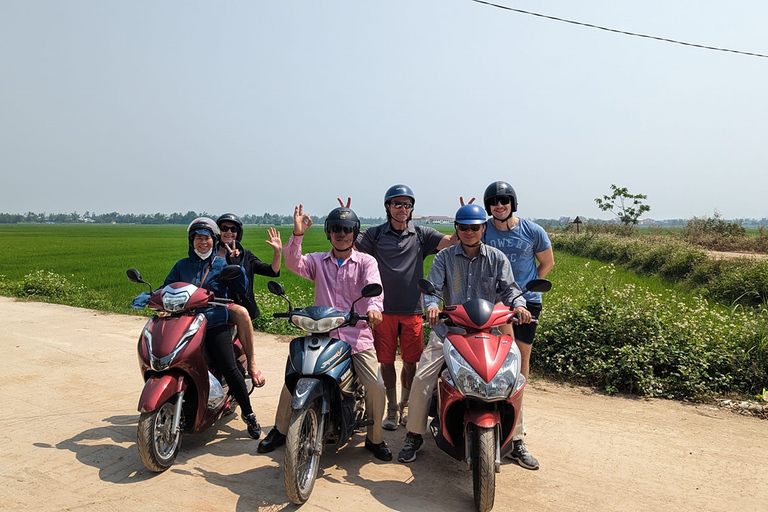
327, 404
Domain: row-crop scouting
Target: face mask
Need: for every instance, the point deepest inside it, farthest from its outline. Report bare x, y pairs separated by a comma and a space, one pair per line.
204, 256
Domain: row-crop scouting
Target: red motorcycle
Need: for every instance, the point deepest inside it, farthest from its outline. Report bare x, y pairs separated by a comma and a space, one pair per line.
182, 391
480, 389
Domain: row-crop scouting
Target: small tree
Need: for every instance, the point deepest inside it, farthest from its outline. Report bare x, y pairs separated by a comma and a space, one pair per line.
627, 207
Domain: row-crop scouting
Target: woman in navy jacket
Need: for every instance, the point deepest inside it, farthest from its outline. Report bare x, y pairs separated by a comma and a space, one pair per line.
201, 268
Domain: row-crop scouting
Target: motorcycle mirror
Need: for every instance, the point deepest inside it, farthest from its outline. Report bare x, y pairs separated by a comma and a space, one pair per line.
230, 272
371, 290
539, 285
275, 288
426, 287
134, 275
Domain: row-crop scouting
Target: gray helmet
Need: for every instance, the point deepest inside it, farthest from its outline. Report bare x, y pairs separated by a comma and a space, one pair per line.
499, 189
342, 217
203, 226
234, 219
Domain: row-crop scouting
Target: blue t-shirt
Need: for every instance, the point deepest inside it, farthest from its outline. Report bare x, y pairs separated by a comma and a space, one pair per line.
520, 244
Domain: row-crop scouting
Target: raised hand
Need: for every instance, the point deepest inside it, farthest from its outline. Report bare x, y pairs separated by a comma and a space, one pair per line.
461, 200
349, 202
274, 239
301, 221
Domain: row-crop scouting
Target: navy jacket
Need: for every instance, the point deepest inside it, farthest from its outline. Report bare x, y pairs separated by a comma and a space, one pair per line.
192, 269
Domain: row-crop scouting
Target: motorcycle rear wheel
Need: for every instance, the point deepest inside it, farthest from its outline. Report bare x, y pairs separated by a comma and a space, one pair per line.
157, 445
302, 453
484, 468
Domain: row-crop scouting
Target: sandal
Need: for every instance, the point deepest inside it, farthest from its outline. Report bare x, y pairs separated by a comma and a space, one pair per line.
256, 378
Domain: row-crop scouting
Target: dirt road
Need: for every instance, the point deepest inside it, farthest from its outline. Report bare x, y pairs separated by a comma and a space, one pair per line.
70, 385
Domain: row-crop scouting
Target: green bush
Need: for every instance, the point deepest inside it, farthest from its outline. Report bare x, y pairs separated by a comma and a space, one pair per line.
624, 338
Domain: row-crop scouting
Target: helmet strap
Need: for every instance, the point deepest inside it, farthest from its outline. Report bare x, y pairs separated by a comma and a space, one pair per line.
338, 250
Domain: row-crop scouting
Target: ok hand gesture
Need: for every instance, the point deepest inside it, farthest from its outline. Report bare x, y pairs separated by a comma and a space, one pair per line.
301, 221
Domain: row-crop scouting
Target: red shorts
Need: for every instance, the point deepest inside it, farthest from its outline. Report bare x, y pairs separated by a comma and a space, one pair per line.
411, 338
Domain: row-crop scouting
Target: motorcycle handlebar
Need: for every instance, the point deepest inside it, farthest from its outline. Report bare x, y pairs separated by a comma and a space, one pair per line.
279, 315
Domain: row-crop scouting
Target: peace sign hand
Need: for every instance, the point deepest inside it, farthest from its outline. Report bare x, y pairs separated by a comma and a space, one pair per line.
233, 254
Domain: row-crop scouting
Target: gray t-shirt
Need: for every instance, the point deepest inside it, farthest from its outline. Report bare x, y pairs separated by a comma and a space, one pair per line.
401, 263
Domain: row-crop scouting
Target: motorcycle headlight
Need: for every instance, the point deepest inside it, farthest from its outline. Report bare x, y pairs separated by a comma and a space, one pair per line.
506, 381
311, 325
176, 299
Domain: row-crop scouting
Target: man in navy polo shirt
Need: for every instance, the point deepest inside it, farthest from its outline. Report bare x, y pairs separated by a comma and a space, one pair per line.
400, 248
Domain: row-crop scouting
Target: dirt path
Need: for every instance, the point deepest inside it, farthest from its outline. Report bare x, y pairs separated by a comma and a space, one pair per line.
70, 382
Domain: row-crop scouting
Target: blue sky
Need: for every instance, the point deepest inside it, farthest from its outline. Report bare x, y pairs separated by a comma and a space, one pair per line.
253, 107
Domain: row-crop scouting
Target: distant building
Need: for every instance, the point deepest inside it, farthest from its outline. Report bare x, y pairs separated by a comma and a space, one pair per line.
432, 220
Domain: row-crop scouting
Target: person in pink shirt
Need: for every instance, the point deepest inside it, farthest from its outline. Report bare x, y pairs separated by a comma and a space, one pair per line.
340, 275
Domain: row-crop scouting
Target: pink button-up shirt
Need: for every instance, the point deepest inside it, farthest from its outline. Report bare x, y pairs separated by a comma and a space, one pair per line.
338, 286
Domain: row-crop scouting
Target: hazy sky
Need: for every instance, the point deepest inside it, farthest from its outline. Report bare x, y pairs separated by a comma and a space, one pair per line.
254, 106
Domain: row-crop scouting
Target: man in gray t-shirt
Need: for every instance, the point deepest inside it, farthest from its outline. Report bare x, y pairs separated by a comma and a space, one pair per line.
400, 248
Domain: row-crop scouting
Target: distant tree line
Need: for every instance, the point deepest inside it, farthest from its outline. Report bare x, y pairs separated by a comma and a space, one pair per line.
154, 218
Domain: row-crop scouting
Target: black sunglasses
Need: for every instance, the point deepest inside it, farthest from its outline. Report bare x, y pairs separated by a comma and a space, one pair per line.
505, 200
467, 227
337, 228
401, 204
233, 229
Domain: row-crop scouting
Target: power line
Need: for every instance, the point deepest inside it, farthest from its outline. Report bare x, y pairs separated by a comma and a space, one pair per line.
664, 39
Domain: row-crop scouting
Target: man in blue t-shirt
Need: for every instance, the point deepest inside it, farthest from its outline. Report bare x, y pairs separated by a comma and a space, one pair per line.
524, 243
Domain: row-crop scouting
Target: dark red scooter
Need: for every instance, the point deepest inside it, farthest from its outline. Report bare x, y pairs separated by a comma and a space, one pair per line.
480, 389
182, 392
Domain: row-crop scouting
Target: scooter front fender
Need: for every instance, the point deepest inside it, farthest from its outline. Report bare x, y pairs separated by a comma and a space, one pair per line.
308, 390
158, 389
485, 419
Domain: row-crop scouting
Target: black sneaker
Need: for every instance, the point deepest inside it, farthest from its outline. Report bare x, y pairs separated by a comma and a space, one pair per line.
412, 444
272, 441
520, 455
254, 429
381, 451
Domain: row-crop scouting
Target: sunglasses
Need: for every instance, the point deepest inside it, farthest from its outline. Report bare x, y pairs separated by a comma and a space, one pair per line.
336, 228
233, 229
468, 227
504, 200
400, 205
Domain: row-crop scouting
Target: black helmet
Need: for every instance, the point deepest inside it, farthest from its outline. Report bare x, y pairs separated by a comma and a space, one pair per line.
342, 217
399, 191
499, 189
234, 219
203, 226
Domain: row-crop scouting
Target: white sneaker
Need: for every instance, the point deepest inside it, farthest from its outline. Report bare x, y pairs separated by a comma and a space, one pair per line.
390, 422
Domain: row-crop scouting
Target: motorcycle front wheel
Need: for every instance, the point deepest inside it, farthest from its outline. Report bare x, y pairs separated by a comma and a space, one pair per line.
158, 446
302, 453
484, 468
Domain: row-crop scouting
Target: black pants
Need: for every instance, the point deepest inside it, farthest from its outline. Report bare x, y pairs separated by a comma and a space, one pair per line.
218, 343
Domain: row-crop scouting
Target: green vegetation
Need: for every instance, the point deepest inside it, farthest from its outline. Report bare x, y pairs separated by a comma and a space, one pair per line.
731, 282
601, 328
603, 325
